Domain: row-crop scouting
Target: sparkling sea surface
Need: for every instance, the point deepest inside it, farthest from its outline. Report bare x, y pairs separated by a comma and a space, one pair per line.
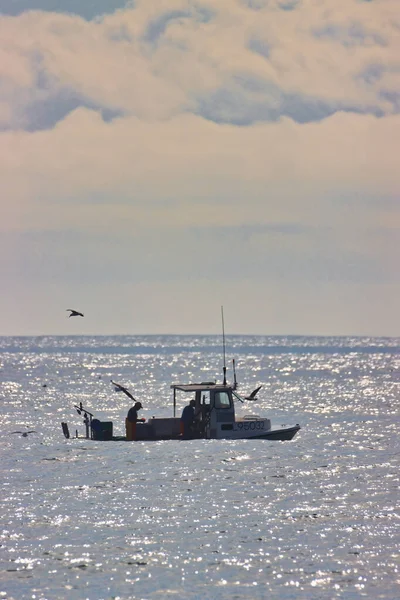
313, 518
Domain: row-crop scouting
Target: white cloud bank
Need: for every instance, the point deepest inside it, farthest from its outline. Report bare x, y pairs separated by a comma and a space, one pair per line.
174, 143
228, 62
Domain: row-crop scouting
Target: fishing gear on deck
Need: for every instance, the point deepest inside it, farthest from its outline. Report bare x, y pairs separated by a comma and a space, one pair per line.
87, 417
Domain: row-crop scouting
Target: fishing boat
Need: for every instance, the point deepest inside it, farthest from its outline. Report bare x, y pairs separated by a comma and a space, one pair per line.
214, 418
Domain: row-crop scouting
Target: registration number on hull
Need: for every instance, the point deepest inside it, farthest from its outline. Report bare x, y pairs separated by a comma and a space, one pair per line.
249, 426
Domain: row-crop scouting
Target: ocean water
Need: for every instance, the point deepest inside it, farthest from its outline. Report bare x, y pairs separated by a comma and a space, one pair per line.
313, 518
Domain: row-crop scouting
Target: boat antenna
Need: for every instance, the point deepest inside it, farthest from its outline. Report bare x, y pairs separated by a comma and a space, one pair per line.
234, 374
223, 342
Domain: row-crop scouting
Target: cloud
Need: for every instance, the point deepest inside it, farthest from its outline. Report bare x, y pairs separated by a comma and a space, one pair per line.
190, 157
164, 200
229, 63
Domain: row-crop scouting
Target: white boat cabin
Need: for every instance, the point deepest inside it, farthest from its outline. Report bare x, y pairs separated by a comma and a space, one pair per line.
215, 412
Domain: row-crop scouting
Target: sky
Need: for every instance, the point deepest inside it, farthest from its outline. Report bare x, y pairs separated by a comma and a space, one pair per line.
161, 159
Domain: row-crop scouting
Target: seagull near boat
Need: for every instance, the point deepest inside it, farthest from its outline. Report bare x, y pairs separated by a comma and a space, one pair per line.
121, 388
253, 395
24, 433
74, 313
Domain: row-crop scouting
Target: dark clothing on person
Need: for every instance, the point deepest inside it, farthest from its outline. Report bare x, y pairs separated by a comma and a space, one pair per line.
188, 415
133, 411
132, 415
131, 420
187, 420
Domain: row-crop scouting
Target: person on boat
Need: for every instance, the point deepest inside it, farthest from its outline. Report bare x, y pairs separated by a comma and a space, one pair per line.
187, 420
131, 420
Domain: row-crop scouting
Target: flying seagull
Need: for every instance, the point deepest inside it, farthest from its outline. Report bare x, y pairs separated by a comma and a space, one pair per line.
74, 313
123, 389
254, 394
24, 433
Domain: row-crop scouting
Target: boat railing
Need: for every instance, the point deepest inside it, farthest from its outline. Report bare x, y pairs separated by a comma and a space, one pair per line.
253, 418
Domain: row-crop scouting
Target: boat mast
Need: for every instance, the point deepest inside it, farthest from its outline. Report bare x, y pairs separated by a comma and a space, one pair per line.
223, 342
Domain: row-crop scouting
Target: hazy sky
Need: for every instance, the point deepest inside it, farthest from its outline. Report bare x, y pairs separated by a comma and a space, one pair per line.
161, 159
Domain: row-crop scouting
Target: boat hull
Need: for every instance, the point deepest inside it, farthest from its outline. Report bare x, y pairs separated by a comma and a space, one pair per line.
279, 434
282, 434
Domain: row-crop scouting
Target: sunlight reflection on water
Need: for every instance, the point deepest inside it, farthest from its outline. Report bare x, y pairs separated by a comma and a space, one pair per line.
313, 518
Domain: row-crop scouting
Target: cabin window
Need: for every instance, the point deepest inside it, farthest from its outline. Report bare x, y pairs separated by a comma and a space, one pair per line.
206, 398
204, 406
222, 400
